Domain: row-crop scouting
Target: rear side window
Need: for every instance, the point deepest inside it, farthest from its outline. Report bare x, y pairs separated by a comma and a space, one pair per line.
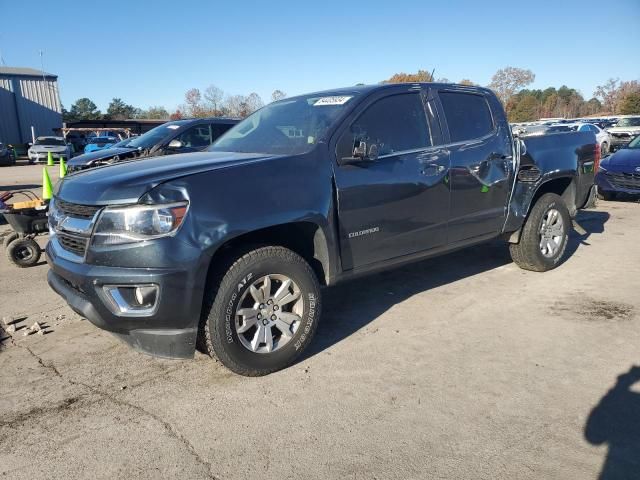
467, 114
394, 124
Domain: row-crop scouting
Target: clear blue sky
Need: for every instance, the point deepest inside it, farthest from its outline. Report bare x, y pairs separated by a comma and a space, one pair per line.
150, 53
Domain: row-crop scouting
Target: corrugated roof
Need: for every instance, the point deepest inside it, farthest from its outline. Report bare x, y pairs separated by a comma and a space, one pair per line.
27, 72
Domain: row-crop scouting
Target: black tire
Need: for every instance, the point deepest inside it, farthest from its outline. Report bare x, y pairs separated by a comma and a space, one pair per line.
226, 290
527, 253
24, 252
9, 238
608, 196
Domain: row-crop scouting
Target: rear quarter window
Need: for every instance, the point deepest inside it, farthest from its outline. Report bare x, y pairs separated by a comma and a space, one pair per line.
468, 115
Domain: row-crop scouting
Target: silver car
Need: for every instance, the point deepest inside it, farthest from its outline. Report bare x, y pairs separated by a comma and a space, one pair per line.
58, 147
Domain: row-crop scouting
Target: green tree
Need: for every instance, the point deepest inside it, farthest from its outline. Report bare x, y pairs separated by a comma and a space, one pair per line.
84, 109
118, 110
156, 112
523, 108
630, 104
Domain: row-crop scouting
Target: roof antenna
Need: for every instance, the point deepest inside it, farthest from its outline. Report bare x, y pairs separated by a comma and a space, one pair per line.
432, 72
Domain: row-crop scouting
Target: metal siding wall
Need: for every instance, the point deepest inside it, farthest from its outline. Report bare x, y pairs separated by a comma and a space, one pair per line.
9, 132
38, 104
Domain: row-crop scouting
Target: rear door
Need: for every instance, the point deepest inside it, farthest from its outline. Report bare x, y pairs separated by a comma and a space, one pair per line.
194, 139
482, 166
398, 203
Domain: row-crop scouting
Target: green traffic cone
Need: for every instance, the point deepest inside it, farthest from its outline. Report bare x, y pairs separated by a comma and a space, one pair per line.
63, 168
47, 188
49, 159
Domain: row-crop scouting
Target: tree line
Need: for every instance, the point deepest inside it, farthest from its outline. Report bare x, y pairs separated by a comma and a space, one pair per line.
509, 83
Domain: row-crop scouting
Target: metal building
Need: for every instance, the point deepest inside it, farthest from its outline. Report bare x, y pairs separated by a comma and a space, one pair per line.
28, 98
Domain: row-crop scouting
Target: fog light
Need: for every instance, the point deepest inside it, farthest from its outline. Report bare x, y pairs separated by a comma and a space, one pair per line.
132, 300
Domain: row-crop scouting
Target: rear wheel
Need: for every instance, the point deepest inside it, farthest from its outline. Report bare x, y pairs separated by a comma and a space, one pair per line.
264, 312
24, 252
544, 236
9, 238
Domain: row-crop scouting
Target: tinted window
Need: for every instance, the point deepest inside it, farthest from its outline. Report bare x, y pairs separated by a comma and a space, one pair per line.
196, 137
393, 124
217, 129
468, 115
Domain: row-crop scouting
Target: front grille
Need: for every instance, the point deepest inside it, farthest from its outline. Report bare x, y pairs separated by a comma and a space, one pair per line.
629, 181
73, 243
76, 210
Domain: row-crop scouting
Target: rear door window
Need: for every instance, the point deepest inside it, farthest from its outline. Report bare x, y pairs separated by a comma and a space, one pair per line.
394, 124
468, 115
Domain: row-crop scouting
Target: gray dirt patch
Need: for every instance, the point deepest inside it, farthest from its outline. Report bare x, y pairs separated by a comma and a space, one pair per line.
597, 310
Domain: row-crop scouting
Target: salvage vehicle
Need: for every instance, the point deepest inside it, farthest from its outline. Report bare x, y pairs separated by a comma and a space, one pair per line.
180, 136
95, 144
620, 173
230, 247
624, 131
7, 156
57, 146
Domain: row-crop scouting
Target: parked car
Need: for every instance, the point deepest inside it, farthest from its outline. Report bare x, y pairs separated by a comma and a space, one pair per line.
58, 146
602, 136
180, 136
78, 140
231, 246
624, 131
95, 144
620, 173
6, 155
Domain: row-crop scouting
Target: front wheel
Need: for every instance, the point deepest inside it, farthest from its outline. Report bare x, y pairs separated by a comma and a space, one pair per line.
264, 312
544, 236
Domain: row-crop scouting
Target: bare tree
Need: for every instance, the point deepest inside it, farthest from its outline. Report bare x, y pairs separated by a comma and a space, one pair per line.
419, 76
213, 100
253, 102
278, 95
193, 100
466, 81
608, 94
507, 81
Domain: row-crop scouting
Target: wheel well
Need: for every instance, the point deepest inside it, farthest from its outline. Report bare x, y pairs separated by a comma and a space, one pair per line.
304, 238
563, 187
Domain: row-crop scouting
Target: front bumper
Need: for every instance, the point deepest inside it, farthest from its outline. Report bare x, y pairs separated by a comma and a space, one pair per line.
619, 141
44, 156
170, 331
618, 182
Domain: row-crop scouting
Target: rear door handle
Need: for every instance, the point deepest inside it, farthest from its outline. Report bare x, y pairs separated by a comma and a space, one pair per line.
433, 170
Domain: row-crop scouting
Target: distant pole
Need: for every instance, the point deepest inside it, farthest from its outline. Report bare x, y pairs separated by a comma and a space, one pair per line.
33, 134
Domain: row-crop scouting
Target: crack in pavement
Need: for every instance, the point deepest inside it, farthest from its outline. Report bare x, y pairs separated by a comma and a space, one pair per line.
68, 403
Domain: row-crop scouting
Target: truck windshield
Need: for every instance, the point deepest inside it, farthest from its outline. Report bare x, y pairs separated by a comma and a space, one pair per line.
49, 141
153, 136
290, 127
629, 122
635, 143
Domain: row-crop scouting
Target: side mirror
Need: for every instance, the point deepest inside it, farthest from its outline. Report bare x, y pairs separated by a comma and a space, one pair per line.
360, 154
175, 144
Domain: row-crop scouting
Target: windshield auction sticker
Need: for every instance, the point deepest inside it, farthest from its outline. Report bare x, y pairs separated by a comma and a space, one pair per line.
340, 100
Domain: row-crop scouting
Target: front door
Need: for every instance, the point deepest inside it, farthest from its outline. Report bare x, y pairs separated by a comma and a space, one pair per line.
397, 203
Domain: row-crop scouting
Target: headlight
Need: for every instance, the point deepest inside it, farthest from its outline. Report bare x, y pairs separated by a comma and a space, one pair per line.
118, 225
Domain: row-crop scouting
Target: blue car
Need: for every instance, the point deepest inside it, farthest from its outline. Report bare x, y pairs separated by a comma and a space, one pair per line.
620, 172
100, 143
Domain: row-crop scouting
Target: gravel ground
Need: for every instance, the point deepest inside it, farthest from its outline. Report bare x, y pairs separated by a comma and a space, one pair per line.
460, 367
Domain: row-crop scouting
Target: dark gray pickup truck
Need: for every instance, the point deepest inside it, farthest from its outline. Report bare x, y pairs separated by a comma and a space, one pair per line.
230, 247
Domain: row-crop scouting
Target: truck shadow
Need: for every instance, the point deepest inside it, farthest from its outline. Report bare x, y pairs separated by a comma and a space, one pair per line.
615, 421
351, 306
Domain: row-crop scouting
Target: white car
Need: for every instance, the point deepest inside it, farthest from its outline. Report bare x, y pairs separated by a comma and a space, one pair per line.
58, 147
602, 136
624, 131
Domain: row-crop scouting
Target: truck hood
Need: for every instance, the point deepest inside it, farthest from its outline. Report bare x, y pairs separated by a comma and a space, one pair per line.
126, 182
89, 158
47, 148
623, 160
633, 130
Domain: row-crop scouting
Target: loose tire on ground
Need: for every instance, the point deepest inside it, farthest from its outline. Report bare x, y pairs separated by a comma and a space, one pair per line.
9, 238
533, 251
24, 252
244, 311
